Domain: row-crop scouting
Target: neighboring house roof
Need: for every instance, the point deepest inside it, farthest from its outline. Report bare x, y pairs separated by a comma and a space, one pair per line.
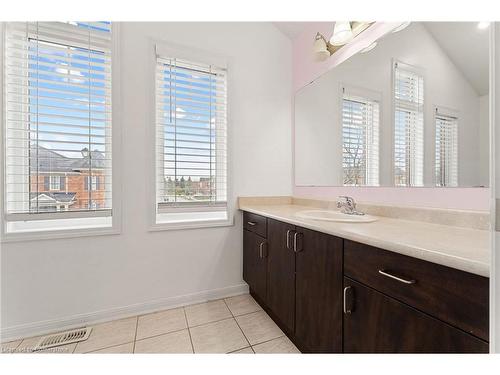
56, 197
45, 160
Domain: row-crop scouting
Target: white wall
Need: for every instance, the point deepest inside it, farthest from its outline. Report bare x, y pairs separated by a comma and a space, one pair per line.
65, 278
444, 86
484, 140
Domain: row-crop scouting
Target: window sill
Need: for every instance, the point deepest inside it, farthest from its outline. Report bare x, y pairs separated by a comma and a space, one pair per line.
195, 224
57, 234
18, 231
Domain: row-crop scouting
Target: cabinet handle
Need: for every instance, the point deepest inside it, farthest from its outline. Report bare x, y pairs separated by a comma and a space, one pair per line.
385, 273
346, 311
288, 238
251, 223
295, 236
261, 250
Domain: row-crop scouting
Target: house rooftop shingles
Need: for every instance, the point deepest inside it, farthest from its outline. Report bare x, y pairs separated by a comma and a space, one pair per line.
56, 196
52, 162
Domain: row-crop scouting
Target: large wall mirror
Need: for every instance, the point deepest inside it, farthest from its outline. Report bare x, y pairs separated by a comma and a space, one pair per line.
413, 111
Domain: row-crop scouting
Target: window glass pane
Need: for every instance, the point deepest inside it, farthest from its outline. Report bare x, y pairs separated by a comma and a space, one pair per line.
360, 139
446, 150
408, 126
191, 134
58, 116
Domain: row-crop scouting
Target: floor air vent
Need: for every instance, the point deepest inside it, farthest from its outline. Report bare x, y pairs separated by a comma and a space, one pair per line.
63, 338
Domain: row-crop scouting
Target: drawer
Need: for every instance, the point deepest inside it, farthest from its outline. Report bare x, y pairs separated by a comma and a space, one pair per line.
255, 223
455, 297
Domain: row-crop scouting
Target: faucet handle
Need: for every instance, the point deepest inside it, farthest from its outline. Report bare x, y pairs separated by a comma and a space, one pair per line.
346, 199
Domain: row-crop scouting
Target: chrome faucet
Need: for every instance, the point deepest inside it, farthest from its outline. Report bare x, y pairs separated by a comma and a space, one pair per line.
347, 205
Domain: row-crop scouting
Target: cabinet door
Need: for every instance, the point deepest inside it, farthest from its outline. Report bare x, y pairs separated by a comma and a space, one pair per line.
255, 263
380, 324
281, 274
318, 305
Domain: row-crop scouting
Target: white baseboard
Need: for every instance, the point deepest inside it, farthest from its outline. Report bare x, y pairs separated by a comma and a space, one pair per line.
75, 321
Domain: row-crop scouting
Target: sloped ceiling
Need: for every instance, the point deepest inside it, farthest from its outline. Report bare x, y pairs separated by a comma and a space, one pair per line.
291, 29
467, 46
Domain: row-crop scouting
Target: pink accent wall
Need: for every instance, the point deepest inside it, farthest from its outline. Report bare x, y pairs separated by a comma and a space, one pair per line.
306, 70
451, 198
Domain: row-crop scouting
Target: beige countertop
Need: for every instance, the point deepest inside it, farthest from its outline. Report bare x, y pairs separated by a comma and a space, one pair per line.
461, 248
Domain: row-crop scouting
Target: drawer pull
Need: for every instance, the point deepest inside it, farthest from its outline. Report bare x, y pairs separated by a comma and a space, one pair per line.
346, 310
385, 273
261, 250
295, 236
251, 223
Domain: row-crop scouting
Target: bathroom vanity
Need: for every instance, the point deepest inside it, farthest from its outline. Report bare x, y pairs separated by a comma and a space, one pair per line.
331, 291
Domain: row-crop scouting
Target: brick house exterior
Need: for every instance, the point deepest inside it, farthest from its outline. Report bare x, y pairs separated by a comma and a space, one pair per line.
59, 183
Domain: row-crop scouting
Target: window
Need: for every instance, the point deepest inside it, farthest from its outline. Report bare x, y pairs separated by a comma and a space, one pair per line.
57, 122
408, 125
446, 149
55, 182
360, 140
191, 182
91, 183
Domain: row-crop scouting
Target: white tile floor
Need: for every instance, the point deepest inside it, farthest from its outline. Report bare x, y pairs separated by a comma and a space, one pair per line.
230, 325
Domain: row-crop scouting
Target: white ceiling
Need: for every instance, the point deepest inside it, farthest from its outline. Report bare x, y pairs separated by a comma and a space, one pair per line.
467, 47
291, 29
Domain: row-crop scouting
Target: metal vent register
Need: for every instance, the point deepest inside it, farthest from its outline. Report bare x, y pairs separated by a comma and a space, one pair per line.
63, 338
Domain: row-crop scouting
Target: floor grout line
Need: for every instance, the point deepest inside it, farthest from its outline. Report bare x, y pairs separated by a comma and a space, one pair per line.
135, 336
237, 350
263, 342
238, 324
161, 334
189, 331
107, 347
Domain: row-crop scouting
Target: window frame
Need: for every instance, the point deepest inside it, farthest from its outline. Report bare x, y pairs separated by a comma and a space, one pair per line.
72, 224
421, 72
440, 111
155, 218
368, 95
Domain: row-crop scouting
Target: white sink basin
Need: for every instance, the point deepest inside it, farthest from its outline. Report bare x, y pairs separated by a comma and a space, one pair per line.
326, 215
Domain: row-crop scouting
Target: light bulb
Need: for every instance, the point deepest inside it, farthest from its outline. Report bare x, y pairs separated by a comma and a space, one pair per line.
342, 33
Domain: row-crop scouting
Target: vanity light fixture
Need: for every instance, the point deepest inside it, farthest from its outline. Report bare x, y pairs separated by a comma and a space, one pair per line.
483, 25
320, 48
343, 33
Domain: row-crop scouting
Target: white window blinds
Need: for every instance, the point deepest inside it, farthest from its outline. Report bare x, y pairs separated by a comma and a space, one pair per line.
408, 126
360, 140
57, 86
446, 150
191, 103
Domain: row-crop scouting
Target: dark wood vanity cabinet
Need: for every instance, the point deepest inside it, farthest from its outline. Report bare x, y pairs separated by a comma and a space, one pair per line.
376, 323
318, 292
398, 304
331, 295
281, 274
453, 296
255, 256
304, 285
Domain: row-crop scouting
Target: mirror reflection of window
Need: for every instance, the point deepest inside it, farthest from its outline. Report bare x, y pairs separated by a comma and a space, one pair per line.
408, 126
446, 149
360, 140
